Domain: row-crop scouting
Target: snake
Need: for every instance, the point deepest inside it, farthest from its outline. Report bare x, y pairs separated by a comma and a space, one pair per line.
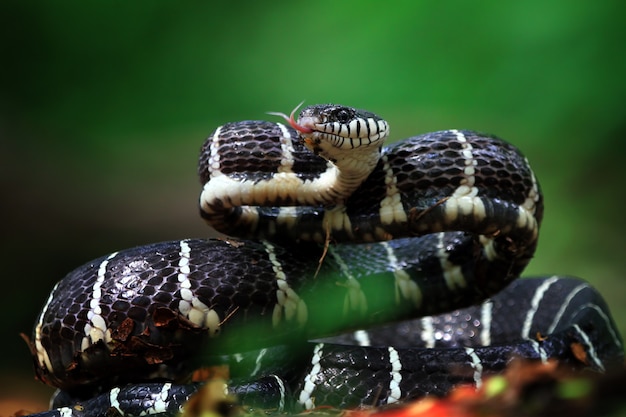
346, 274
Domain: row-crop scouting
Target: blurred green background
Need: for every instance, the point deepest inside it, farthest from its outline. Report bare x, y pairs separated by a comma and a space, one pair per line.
103, 107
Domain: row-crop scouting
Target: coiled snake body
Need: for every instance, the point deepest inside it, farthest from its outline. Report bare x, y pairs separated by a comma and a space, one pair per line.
343, 235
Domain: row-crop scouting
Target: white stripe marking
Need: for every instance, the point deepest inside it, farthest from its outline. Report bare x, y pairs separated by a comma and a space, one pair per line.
113, 402
258, 361
190, 305
160, 401
591, 351
66, 411
534, 305
96, 328
306, 397
287, 216
540, 351
391, 208
214, 165
286, 147
470, 163
530, 203
452, 273
464, 200
559, 315
42, 355
361, 337
355, 300
606, 319
598, 310
405, 286
476, 365
335, 218
395, 393
428, 332
485, 322
489, 249
282, 391
289, 305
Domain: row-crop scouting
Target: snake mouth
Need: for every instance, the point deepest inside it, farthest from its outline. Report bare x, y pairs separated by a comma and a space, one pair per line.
358, 133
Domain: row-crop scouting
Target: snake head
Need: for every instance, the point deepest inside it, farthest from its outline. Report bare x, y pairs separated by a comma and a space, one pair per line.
329, 129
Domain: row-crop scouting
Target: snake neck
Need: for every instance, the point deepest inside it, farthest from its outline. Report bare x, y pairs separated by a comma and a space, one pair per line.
344, 174
350, 140
331, 188
346, 170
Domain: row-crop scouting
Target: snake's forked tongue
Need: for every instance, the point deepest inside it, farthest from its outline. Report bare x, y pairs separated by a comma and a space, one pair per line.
292, 122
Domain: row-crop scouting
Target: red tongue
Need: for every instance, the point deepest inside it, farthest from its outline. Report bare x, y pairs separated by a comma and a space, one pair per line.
292, 122
296, 126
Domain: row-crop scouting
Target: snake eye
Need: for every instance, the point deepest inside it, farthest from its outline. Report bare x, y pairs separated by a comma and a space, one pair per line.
342, 115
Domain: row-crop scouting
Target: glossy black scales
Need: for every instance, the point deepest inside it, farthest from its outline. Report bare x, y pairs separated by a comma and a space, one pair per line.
370, 235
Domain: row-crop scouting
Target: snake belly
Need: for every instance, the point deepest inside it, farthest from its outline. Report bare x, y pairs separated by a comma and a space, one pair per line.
440, 222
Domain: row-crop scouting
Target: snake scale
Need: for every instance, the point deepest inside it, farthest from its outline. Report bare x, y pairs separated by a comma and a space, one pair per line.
353, 274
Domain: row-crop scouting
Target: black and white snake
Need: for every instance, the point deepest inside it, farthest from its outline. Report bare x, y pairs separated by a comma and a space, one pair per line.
344, 235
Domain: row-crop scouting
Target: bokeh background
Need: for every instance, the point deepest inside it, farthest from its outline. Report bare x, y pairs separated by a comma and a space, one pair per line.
103, 107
